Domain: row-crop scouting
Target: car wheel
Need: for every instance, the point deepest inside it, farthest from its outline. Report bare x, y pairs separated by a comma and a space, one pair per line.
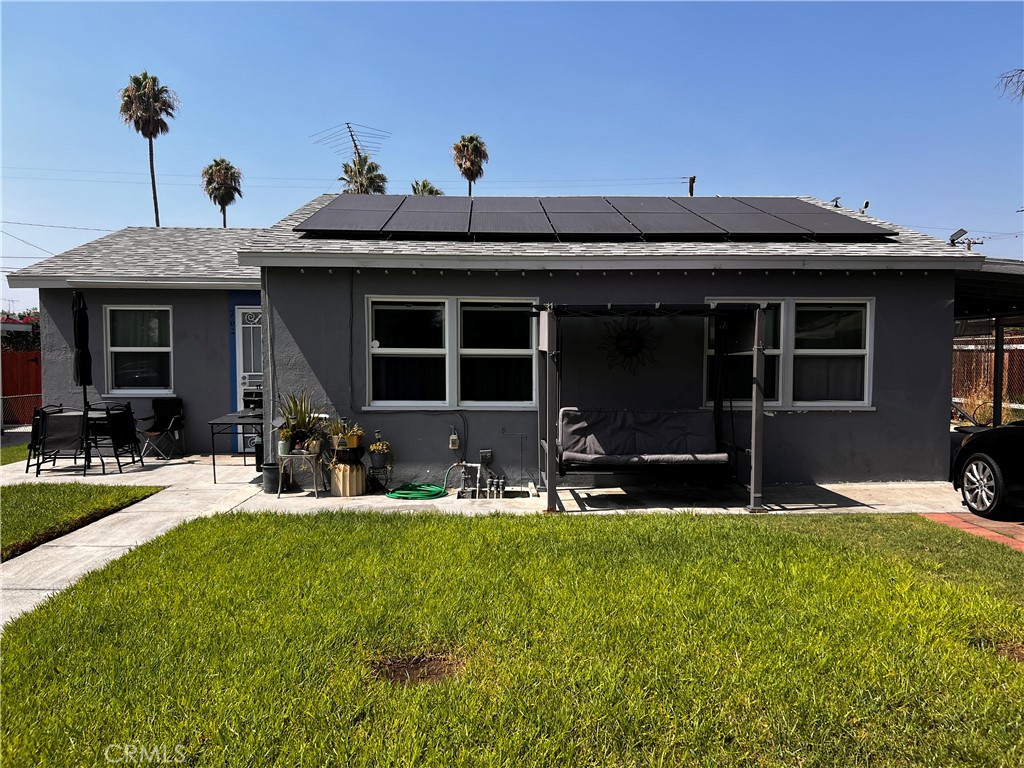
981, 485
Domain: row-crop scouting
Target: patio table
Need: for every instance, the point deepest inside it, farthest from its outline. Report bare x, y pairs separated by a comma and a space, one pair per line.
233, 424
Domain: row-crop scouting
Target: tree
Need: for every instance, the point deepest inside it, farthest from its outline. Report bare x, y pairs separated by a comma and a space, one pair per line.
1012, 82
145, 105
222, 183
470, 154
425, 188
363, 177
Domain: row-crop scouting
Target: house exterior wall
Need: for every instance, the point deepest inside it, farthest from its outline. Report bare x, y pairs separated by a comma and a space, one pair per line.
317, 323
202, 351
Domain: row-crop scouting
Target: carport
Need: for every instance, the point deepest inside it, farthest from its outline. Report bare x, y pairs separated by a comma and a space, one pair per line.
990, 300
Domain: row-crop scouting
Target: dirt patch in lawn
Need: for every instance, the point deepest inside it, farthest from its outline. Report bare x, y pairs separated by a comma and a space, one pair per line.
1012, 651
417, 668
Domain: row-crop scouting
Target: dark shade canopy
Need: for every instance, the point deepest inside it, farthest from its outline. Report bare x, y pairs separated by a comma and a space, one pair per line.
82, 365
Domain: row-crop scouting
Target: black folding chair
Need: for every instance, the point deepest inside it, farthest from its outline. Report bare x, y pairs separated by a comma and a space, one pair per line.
33, 440
60, 434
117, 434
163, 435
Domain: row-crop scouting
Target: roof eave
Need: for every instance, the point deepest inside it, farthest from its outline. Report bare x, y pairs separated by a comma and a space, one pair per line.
226, 284
610, 262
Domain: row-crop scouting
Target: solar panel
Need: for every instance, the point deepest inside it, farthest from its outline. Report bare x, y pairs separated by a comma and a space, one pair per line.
427, 222
367, 202
576, 205
754, 224
436, 204
506, 205
644, 204
591, 224
825, 223
511, 223
713, 205
341, 220
682, 223
413, 216
781, 205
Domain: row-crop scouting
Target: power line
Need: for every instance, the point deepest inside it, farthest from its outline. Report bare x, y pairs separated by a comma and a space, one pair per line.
146, 183
26, 242
56, 226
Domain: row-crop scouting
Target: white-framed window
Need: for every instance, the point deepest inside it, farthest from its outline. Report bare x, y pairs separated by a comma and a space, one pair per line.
818, 353
830, 352
448, 352
739, 353
138, 349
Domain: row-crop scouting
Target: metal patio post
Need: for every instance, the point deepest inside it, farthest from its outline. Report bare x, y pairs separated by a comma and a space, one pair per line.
998, 374
549, 338
757, 415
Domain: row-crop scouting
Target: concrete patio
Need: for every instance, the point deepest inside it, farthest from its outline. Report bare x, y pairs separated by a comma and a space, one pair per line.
27, 580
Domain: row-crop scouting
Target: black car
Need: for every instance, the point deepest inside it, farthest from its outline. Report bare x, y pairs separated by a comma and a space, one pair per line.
988, 469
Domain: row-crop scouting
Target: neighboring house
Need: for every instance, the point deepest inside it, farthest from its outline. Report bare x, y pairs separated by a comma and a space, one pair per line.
415, 316
169, 310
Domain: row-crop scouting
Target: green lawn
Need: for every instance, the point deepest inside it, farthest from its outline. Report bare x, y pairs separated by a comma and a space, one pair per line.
34, 513
10, 454
594, 641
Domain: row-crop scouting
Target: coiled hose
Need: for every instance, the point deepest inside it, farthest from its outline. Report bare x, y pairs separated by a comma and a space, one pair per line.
421, 491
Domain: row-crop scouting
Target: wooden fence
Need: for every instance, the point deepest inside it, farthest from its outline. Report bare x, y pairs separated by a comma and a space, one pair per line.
21, 384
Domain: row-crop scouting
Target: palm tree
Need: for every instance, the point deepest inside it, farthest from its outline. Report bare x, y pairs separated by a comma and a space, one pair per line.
144, 106
222, 183
1012, 82
470, 154
363, 177
425, 188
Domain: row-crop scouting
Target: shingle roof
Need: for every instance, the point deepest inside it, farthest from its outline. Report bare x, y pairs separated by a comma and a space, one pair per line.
281, 245
189, 256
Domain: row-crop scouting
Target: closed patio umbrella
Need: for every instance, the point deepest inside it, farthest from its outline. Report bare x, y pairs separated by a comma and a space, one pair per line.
82, 368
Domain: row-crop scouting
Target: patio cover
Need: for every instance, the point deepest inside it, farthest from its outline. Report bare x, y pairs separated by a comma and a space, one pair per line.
548, 347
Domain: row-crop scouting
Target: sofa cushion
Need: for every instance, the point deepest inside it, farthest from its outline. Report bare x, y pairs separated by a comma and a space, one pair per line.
597, 433
614, 460
678, 433
685, 458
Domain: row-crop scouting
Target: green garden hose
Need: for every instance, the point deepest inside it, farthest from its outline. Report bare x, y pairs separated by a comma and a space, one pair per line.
422, 491
417, 491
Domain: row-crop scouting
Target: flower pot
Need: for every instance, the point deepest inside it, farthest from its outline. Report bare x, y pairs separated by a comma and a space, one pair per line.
352, 441
336, 441
313, 446
378, 460
283, 448
271, 474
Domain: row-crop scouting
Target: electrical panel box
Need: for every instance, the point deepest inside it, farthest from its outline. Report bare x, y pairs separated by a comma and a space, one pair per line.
486, 457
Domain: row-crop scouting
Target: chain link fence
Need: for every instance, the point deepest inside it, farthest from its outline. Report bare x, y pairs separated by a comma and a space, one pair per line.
974, 346
17, 409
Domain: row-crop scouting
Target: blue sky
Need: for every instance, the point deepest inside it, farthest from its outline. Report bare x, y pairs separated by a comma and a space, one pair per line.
891, 102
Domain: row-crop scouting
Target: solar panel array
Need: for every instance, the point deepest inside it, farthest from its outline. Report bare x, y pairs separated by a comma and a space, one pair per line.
413, 217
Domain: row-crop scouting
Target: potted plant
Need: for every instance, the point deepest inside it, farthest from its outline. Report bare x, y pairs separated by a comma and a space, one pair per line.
298, 415
380, 451
352, 434
335, 431
284, 441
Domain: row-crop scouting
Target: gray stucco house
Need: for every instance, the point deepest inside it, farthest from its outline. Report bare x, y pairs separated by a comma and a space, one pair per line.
418, 317
172, 314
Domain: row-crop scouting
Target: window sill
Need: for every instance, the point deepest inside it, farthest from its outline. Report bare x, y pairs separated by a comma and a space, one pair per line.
414, 407
807, 408
139, 393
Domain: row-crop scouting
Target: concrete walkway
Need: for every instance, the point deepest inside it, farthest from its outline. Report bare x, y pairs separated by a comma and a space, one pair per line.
190, 493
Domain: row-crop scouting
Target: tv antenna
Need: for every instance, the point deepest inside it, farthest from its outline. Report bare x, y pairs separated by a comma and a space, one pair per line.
352, 139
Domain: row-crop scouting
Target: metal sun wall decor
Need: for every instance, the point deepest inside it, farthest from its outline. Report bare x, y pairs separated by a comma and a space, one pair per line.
629, 343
